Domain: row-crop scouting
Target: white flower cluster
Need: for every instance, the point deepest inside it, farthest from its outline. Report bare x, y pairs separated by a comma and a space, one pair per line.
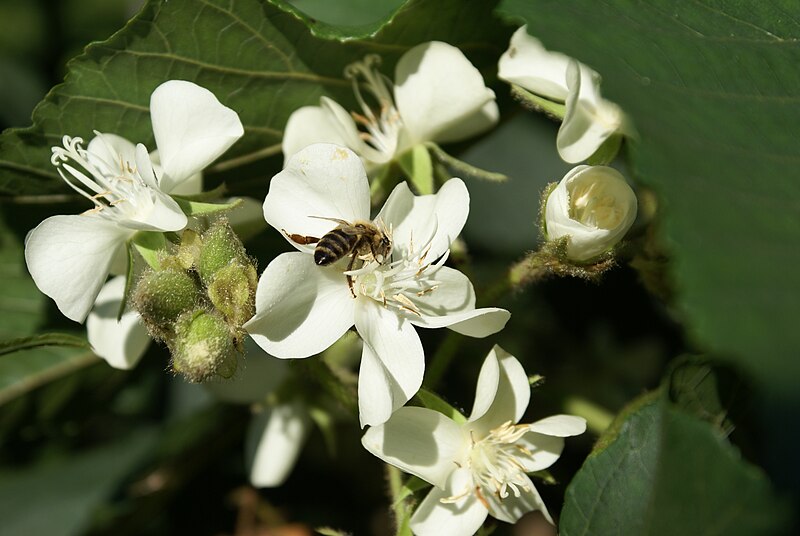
385, 276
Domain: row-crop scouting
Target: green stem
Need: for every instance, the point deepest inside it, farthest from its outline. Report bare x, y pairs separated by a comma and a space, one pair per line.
402, 510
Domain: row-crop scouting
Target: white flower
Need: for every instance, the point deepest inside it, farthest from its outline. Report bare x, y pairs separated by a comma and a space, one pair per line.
302, 308
438, 96
594, 206
590, 119
70, 256
478, 467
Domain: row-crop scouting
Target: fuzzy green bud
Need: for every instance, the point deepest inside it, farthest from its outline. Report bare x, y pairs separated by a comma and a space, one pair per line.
232, 292
220, 247
188, 253
203, 347
161, 297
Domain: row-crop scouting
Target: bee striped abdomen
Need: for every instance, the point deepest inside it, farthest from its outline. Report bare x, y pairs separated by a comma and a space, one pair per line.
333, 246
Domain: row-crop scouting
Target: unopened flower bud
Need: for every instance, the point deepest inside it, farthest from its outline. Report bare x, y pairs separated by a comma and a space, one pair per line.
594, 207
220, 247
233, 292
161, 297
203, 347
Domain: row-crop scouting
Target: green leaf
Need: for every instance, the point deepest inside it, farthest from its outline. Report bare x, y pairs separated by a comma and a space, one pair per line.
149, 244
711, 88
431, 400
23, 371
198, 208
647, 481
254, 57
344, 19
416, 163
45, 339
70, 489
21, 303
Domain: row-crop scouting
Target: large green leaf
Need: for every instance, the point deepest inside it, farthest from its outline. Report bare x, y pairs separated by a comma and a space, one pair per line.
711, 87
21, 303
257, 59
666, 472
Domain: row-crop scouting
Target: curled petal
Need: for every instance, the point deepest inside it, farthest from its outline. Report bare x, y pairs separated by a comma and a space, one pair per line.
540, 451
396, 377
440, 95
121, 343
502, 393
192, 129
69, 258
423, 221
419, 441
454, 517
301, 308
275, 438
320, 181
475, 323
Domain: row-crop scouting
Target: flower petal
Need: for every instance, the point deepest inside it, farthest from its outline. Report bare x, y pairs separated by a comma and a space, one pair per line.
589, 119
512, 507
320, 181
394, 342
191, 186
438, 91
301, 308
423, 220
275, 438
192, 129
475, 323
308, 125
502, 393
452, 292
109, 152
464, 516
560, 425
419, 441
544, 451
529, 65
69, 258
257, 376
122, 344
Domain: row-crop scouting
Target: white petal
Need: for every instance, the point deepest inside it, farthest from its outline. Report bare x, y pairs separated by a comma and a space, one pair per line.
560, 425
301, 308
423, 220
122, 344
512, 507
308, 125
438, 92
502, 393
453, 293
320, 181
278, 434
460, 518
69, 258
419, 441
257, 375
191, 186
529, 65
145, 166
589, 119
544, 451
192, 129
475, 323
394, 343
164, 214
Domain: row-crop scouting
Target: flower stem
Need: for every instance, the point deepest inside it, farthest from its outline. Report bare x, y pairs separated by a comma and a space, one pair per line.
401, 508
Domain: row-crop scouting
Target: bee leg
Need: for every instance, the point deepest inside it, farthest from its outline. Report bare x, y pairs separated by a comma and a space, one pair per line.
301, 239
350, 277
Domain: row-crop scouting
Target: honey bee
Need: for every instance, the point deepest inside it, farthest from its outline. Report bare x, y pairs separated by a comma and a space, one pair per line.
360, 239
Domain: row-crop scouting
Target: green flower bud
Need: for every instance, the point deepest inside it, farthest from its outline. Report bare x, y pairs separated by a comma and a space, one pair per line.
188, 253
161, 297
233, 292
220, 247
203, 347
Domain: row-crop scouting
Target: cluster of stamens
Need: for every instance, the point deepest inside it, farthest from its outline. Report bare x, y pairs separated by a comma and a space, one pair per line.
382, 130
594, 207
492, 460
